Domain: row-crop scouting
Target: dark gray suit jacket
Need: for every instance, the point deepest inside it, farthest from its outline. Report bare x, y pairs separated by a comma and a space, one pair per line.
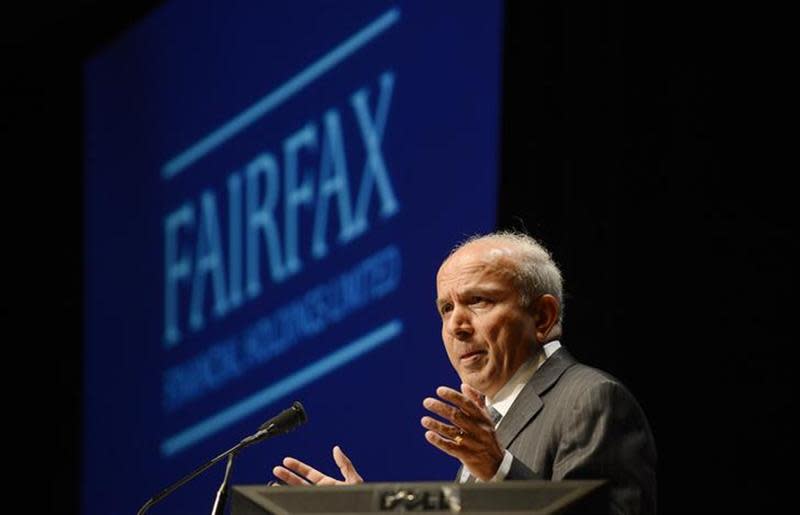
572, 421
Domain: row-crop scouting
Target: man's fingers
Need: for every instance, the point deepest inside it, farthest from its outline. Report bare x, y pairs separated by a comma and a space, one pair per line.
473, 394
463, 402
479, 399
444, 410
445, 445
346, 466
295, 472
447, 431
469, 422
288, 477
301, 469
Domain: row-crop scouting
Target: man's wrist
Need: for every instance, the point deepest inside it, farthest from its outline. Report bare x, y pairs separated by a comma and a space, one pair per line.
505, 466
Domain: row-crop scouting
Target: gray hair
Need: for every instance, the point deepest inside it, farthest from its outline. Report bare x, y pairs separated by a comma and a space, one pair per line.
534, 271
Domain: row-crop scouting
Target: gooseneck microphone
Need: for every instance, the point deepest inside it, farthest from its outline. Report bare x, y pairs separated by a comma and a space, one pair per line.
281, 423
285, 421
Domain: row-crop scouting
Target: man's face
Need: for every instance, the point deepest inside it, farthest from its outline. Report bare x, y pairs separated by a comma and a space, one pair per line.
486, 331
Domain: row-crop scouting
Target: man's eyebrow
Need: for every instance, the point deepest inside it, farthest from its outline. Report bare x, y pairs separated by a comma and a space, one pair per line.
483, 289
479, 289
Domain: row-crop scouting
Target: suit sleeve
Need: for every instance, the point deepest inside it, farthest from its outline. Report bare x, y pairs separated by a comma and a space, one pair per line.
606, 435
520, 471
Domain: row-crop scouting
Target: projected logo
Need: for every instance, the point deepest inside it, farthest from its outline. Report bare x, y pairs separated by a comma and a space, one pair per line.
270, 188
278, 214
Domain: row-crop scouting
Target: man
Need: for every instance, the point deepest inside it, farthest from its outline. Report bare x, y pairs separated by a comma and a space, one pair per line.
526, 409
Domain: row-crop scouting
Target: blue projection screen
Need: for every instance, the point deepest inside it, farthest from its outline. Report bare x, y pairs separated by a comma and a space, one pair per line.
270, 189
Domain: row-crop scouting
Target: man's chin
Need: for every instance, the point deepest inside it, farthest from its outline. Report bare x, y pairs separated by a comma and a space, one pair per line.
475, 382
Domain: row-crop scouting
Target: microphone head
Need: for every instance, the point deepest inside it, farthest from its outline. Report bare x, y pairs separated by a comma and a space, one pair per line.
286, 420
301, 412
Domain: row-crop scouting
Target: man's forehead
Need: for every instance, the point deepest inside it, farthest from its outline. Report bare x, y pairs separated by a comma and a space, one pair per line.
475, 263
479, 255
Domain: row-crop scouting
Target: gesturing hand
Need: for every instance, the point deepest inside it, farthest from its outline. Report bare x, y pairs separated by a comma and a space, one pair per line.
295, 472
470, 436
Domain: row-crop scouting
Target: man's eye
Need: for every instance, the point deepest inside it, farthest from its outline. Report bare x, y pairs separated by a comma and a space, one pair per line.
479, 300
445, 308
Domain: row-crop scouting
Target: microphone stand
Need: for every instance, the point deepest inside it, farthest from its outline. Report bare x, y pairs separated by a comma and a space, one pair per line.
222, 493
260, 435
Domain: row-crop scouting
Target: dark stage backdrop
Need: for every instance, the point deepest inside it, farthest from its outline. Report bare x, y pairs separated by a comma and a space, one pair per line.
638, 140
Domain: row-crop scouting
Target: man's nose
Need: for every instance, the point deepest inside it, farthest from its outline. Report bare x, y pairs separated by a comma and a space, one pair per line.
460, 322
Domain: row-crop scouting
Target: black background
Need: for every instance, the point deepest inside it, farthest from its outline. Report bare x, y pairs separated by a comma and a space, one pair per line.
642, 143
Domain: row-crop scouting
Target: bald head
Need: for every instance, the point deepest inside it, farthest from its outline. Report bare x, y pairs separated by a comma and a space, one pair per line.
526, 261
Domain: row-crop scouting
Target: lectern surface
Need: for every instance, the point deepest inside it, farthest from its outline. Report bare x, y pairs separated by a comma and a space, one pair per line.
510, 497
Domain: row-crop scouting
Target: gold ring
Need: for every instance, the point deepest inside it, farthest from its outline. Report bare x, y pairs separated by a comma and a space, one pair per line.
458, 439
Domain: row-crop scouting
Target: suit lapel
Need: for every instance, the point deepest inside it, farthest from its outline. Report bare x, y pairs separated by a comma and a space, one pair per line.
529, 402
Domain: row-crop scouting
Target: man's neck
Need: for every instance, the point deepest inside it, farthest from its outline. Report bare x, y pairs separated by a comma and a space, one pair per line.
504, 397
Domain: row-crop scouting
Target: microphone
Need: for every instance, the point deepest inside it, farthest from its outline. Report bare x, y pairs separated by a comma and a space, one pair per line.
286, 420
281, 423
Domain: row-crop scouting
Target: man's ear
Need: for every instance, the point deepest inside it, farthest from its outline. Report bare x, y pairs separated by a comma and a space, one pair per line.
546, 310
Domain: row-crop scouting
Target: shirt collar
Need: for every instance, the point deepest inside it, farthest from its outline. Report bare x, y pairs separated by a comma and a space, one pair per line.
504, 398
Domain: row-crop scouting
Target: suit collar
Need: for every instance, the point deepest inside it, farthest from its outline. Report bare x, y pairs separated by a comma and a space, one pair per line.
529, 401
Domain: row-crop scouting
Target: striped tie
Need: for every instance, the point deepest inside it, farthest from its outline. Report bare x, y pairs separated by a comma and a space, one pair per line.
496, 416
